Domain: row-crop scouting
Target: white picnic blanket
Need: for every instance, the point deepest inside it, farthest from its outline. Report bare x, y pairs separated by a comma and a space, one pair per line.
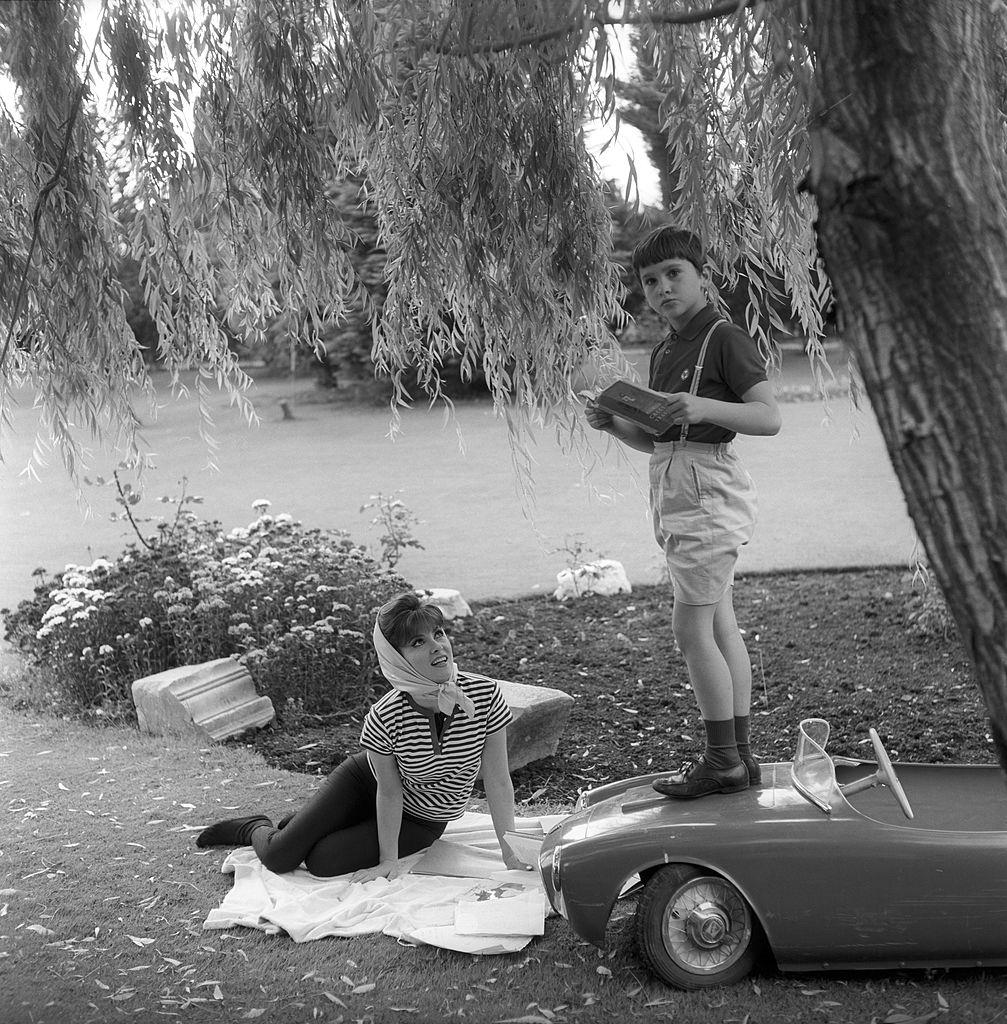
449, 888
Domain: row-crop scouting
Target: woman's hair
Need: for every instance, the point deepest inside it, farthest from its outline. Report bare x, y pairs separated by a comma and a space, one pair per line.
669, 243
405, 616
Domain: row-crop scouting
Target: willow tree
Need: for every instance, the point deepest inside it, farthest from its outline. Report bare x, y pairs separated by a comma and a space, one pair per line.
865, 133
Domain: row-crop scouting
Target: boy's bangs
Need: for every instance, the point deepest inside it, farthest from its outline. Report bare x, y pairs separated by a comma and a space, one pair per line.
668, 244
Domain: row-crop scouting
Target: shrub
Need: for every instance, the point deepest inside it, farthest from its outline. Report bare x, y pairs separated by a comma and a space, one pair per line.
295, 605
927, 610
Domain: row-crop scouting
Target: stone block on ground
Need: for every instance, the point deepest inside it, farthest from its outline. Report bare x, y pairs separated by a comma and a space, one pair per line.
604, 577
540, 715
450, 602
215, 699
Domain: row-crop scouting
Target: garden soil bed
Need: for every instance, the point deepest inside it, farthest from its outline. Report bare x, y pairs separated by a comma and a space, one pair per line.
859, 648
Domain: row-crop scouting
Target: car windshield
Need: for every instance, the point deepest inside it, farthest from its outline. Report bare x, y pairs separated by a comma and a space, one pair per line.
813, 773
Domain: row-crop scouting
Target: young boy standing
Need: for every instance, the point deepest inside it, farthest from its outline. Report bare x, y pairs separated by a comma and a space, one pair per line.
702, 499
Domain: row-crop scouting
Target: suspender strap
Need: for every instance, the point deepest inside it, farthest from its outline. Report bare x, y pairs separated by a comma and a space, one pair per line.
698, 371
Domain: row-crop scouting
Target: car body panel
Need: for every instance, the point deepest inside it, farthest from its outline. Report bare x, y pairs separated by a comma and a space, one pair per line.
858, 886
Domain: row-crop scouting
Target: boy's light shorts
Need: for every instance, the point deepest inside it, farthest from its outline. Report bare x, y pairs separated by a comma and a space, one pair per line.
704, 507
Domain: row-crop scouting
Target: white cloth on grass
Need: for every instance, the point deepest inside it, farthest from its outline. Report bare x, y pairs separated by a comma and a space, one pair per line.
463, 866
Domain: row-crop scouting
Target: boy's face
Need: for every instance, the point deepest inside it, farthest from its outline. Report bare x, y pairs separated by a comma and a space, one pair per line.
675, 290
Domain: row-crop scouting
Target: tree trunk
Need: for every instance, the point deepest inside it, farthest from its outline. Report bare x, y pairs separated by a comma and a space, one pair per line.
908, 169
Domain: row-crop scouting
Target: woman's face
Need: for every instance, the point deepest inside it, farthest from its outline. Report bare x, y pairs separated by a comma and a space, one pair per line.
429, 653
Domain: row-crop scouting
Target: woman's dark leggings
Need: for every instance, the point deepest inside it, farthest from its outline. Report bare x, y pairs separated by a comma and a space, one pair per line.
337, 830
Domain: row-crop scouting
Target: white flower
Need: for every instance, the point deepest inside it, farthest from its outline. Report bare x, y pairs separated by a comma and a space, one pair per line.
145, 622
284, 517
105, 649
261, 504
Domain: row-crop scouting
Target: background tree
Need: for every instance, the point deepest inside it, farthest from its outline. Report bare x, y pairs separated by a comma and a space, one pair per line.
879, 122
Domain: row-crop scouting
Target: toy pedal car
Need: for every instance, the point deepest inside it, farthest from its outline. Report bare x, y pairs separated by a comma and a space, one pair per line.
816, 866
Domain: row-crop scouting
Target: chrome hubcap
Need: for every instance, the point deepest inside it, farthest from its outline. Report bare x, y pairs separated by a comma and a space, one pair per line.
706, 925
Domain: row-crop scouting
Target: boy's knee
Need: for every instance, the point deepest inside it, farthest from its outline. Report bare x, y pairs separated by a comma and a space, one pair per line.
693, 630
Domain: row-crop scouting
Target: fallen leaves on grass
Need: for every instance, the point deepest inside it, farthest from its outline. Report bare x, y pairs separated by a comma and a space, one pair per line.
897, 1017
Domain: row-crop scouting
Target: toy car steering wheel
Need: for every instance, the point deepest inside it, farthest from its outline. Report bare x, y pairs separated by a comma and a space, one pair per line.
885, 774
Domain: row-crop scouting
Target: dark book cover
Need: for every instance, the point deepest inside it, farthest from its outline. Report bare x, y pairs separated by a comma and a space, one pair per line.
636, 404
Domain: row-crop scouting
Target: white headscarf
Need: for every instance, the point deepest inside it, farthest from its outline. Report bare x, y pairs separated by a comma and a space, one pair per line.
404, 677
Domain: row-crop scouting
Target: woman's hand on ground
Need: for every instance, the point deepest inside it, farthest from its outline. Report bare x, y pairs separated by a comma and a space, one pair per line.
513, 863
386, 869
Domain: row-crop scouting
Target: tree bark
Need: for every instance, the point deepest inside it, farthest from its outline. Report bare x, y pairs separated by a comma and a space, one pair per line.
908, 169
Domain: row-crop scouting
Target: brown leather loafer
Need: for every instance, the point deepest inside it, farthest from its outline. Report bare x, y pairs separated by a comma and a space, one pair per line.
700, 780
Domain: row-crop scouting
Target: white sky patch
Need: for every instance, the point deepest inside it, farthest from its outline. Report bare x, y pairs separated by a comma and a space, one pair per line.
617, 149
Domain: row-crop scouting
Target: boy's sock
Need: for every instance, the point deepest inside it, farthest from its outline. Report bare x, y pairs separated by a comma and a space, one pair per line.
232, 831
721, 747
741, 735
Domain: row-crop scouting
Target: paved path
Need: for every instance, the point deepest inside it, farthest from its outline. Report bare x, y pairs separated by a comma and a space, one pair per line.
828, 497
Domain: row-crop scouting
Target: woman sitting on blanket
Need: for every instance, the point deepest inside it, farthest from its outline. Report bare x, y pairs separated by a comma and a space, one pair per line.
424, 742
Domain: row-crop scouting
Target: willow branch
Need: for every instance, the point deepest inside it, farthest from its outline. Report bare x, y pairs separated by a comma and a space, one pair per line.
43, 194
717, 10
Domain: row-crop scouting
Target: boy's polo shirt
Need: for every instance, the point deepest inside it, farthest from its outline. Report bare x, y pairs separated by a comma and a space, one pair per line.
733, 364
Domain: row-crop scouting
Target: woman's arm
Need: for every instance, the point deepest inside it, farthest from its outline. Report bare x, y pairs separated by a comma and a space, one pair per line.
500, 793
389, 815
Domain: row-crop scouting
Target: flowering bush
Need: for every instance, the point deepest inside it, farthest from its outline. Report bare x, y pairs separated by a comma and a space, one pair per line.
295, 605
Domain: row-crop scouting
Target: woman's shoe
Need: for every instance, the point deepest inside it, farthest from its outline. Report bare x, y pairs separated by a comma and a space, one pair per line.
232, 831
700, 780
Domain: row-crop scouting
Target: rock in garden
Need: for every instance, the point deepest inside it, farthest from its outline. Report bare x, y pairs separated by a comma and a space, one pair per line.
450, 602
604, 577
215, 699
540, 715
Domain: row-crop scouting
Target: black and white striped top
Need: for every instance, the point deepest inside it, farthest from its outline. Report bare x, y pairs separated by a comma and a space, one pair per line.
437, 774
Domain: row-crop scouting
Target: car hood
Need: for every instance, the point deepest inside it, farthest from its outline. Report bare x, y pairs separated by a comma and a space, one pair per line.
635, 806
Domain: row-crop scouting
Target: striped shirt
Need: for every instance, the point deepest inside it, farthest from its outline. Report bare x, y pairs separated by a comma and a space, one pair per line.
437, 774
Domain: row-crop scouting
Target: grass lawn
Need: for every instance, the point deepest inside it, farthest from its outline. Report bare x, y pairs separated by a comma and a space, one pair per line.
102, 890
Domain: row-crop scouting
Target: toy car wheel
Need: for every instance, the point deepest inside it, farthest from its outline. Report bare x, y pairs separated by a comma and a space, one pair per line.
695, 930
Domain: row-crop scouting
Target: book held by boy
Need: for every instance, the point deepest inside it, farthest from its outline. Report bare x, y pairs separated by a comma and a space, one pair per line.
645, 408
